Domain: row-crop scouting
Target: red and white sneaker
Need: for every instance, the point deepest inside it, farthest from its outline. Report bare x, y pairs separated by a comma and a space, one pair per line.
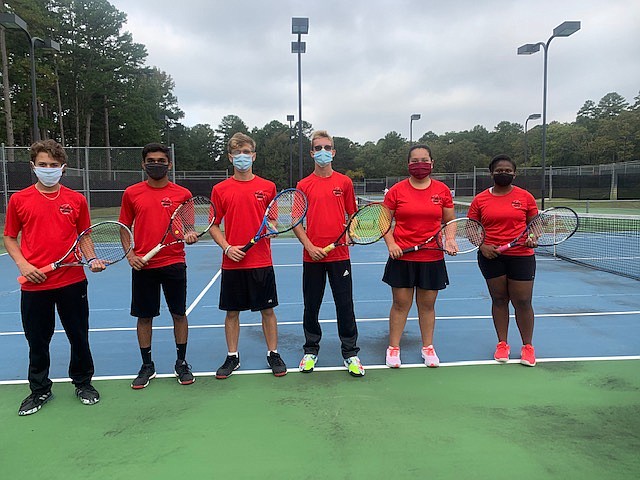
393, 357
430, 357
528, 355
502, 352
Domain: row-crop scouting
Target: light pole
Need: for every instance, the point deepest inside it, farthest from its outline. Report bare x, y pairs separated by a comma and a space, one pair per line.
533, 116
14, 22
563, 30
299, 26
415, 116
290, 119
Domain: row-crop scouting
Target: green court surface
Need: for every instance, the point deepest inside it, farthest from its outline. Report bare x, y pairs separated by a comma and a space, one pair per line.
559, 420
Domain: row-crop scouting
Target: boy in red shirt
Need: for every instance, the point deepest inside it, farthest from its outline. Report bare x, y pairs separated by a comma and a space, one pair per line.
147, 206
51, 211
248, 280
332, 201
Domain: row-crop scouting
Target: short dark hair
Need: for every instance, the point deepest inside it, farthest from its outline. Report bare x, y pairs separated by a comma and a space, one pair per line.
420, 145
155, 147
49, 146
499, 158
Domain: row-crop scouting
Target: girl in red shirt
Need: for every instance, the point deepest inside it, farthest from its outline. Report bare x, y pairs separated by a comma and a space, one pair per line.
504, 211
419, 205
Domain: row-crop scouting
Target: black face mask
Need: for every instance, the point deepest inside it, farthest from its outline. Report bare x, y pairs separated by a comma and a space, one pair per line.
156, 171
503, 179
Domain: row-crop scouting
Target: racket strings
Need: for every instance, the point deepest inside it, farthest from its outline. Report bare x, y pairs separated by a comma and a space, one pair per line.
288, 209
467, 233
553, 227
104, 241
193, 216
369, 224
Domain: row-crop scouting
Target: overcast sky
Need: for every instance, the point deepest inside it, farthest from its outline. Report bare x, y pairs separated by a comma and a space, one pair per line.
370, 64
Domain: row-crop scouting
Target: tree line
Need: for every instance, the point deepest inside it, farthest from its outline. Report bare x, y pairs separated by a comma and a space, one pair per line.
98, 91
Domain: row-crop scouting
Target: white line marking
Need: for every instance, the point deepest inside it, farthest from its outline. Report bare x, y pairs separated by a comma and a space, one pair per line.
203, 292
333, 369
360, 320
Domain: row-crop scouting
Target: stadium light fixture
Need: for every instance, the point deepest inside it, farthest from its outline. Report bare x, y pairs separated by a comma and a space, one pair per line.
533, 116
299, 27
415, 116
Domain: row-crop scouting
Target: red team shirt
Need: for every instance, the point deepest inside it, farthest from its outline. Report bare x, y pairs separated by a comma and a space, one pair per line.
48, 233
242, 206
504, 217
418, 216
331, 201
148, 210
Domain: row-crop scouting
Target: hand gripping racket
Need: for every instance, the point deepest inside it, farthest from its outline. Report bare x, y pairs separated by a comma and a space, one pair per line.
107, 241
193, 216
550, 227
284, 212
467, 233
368, 225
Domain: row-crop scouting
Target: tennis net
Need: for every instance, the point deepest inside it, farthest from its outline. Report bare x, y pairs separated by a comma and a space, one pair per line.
610, 243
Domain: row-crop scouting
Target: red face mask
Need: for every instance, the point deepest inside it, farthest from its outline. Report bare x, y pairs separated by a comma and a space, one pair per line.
420, 170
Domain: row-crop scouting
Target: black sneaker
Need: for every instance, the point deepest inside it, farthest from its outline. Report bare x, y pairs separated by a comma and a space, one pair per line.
87, 394
146, 373
34, 402
183, 372
230, 364
277, 365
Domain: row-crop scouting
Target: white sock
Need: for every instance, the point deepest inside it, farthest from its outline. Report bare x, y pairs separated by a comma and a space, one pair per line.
232, 354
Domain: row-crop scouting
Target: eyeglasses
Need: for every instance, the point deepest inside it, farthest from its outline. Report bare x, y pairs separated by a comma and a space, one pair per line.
244, 152
328, 148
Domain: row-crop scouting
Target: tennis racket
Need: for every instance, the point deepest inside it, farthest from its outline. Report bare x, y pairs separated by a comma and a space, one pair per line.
195, 215
468, 234
107, 241
368, 225
550, 227
284, 212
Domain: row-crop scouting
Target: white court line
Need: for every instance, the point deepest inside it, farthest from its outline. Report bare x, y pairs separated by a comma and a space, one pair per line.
359, 320
465, 363
203, 292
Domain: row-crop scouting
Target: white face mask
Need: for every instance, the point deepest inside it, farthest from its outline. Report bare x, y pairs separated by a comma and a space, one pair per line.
48, 176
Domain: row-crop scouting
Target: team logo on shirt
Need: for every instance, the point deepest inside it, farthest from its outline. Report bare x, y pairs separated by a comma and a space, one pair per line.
260, 196
166, 202
436, 200
516, 204
66, 209
337, 191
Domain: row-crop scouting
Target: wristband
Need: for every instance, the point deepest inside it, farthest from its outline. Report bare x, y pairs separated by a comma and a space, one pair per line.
91, 260
226, 250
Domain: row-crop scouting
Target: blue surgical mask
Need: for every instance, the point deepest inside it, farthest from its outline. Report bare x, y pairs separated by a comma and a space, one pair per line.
323, 158
242, 162
48, 176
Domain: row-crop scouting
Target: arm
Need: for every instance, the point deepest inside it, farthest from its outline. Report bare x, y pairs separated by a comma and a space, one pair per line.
394, 250
316, 253
26, 269
234, 252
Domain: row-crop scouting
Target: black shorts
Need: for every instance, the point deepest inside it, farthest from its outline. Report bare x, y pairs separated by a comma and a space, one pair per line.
515, 268
145, 290
248, 289
424, 275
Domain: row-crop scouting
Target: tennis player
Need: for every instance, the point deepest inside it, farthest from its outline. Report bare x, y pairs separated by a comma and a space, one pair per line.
248, 279
419, 204
504, 211
331, 200
147, 206
48, 217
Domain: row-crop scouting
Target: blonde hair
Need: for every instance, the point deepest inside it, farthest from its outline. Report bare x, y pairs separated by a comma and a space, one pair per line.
240, 139
49, 146
321, 134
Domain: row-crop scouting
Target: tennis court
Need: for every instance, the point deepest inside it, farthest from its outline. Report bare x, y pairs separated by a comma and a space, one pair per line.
575, 415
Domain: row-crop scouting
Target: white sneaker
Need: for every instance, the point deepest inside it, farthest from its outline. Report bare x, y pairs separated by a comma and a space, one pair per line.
430, 357
393, 357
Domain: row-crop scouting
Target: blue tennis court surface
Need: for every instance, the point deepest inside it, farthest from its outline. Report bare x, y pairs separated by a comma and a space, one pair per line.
579, 313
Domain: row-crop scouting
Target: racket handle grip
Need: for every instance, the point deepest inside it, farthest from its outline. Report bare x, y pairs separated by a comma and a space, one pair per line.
246, 248
328, 248
49, 268
152, 253
411, 249
504, 248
